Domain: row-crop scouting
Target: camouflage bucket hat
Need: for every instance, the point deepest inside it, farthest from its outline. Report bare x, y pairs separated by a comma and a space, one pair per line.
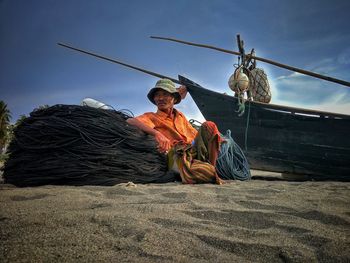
167, 85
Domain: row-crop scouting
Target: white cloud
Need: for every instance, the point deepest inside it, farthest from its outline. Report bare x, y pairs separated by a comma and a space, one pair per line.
190, 109
336, 108
300, 91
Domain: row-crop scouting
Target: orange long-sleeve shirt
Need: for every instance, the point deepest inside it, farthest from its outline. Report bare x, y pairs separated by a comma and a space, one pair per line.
176, 130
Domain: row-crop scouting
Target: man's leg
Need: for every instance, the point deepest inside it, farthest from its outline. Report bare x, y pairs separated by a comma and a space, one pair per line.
197, 163
207, 143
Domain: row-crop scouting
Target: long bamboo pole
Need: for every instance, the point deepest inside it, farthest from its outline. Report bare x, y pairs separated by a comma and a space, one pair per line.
119, 62
302, 71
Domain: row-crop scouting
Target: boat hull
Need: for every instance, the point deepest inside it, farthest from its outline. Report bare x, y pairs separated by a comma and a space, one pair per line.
281, 139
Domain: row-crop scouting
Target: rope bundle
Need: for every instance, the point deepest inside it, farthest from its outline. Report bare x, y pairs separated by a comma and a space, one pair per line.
232, 163
77, 145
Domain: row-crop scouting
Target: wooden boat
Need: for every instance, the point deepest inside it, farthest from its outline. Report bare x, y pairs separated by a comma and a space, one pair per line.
278, 138
274, 138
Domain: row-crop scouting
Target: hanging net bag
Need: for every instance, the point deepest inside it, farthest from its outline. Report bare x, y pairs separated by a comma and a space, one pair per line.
259, 86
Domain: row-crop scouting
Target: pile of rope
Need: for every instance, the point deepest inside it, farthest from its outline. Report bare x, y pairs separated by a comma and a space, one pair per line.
232, 163
79, 145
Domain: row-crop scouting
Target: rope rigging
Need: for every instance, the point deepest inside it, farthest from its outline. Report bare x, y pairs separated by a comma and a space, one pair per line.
248, 79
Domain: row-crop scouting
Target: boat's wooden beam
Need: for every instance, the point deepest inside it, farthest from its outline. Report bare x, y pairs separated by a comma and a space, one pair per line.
302, 71
119, 62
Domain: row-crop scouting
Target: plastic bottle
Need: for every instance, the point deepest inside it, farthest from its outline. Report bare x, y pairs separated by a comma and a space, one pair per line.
95, 104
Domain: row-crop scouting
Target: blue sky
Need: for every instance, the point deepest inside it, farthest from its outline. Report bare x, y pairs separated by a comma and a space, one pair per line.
313, 35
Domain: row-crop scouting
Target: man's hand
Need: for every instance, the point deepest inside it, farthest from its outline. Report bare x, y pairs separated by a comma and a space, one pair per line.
183, 91
163, 142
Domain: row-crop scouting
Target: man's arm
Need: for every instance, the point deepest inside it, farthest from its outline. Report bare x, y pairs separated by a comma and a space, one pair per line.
163, 142
183, 91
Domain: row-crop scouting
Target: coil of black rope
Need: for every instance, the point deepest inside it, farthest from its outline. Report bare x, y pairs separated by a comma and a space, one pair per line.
78, 145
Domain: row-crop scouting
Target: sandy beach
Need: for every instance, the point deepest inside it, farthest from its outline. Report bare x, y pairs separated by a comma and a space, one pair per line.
266, 219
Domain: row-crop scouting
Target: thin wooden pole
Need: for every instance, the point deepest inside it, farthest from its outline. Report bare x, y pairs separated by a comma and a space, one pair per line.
119, 62
302, 71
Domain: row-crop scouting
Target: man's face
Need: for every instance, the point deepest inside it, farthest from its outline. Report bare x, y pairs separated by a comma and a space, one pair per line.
164, 100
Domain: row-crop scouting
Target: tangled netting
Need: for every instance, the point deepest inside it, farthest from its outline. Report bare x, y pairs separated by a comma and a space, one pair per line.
259, 85
79, 145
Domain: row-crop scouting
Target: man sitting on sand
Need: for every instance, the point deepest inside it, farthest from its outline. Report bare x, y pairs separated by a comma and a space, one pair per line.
193, 153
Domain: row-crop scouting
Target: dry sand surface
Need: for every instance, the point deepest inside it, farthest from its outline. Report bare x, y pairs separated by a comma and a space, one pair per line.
262, 220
